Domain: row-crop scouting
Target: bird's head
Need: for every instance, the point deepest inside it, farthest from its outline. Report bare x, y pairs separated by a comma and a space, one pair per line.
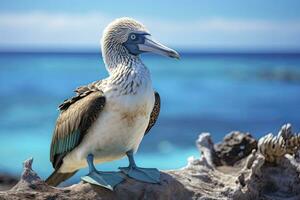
127, 37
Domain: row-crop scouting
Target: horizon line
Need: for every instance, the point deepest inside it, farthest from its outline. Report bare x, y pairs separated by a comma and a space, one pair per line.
184, 51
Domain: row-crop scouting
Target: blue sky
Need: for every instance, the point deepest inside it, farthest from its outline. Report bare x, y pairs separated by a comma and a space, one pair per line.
206, 24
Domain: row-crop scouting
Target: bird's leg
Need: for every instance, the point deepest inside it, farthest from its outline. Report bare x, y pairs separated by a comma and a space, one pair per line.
131, 159
104, 179
148, 175
90, 161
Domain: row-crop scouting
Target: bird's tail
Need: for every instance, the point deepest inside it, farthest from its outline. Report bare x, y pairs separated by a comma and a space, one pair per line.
56, 177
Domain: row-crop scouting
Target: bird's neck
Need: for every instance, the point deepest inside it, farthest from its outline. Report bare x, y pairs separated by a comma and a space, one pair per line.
115, 55
132, 72
127, 72
128, 64
130, 78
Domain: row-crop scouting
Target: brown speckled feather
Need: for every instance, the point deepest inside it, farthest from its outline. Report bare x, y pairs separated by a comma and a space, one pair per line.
90, 87
155, 112
76, 117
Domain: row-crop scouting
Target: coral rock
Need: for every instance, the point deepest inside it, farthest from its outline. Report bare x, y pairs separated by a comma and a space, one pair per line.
234, 147
274, 148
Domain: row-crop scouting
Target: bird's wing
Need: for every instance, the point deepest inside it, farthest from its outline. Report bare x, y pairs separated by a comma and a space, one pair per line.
92, 86
155, 112
76, 117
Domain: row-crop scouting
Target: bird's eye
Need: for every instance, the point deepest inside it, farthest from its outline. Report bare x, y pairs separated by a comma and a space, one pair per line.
133, 37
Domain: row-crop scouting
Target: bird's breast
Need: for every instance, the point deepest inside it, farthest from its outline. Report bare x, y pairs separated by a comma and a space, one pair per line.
131, 109
130, 116
129, 105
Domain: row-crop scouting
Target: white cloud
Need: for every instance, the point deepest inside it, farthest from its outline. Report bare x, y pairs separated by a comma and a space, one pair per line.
54, 29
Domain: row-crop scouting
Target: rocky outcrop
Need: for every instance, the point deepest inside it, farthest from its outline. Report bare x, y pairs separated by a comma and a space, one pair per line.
234, 147
251, 175
273, 148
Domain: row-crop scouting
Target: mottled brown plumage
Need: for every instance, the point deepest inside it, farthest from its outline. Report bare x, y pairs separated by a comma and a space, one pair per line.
155, 113
77, 115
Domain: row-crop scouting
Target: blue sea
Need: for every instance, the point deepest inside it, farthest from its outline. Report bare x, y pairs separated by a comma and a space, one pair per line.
202, 92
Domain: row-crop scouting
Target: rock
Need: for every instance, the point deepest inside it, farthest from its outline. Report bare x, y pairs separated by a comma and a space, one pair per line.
234, 147
206, 148
271, 182
31, 186
250, 177
273, 148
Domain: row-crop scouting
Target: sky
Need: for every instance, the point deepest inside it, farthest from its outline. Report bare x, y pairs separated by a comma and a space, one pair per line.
202, 24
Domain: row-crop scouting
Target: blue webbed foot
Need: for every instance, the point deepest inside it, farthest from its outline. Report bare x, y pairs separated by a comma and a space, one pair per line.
104, 179
148, 175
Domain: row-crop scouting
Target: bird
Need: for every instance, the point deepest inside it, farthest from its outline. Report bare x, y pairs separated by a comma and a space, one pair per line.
107, 119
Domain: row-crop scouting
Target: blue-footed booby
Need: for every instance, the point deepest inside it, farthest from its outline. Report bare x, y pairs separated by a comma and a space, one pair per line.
107, 119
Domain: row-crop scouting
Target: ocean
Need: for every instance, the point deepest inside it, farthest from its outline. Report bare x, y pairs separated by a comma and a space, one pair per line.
202, 92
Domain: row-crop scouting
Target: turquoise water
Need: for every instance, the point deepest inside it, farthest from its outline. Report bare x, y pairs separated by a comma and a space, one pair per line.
213, 93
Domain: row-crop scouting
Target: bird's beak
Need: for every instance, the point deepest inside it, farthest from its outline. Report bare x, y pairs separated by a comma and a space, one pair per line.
151, 45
